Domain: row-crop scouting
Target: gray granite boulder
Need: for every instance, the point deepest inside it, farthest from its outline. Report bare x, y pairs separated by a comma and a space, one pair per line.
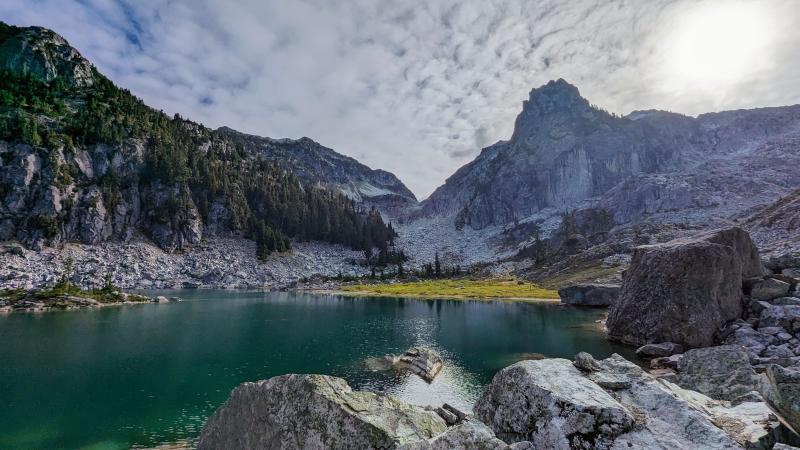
315, 412
722, 373
549, 403
769, 289
784, 316
589, 294
684, 290
784, 392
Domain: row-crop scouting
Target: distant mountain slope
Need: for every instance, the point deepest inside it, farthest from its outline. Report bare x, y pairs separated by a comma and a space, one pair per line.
316, 163
83, 160
566, 154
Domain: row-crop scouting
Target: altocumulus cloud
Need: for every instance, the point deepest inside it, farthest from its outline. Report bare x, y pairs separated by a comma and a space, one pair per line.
415, 87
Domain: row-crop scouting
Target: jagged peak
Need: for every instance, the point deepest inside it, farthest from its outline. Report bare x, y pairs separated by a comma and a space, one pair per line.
44, 54
557, 101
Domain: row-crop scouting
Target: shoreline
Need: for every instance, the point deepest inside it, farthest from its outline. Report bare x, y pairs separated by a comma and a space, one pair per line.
428, 296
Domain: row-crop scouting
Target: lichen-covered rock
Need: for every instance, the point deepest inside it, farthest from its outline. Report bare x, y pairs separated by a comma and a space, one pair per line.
722, 373
549, 403
784, 392
315, 412
589, 294
684, 290
470, 435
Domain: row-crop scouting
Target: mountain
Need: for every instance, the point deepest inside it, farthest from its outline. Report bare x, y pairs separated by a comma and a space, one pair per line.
83, 160
566, 154
315, 163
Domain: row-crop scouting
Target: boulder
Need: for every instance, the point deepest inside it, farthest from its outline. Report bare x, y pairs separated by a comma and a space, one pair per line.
670, 417
315, 412
549, 403
786, 301
661, 350
682, 291
784, 316
754, 341
769, 289
784, 392
589, 294
722, 373
585, 362
423, 362
469, 435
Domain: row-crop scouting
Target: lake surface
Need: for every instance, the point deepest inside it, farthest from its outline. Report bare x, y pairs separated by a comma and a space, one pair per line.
143, 375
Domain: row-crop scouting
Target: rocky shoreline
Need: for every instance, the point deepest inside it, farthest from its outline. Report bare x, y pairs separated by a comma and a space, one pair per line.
721, 330
219, 263
42, 300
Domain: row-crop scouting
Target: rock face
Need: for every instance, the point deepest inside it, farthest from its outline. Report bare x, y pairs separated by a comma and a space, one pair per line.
316, 163
682, 291
314, 412
550, 403
589, 295
565, 153
107, 187
722, 373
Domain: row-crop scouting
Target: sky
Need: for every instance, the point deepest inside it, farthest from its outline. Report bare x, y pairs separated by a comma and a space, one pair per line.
418, 87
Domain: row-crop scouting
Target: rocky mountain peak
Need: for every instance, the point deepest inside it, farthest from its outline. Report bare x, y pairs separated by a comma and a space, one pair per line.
554, 105
43, 54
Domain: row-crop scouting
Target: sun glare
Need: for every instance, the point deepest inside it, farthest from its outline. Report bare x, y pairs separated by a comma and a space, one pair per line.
718, 43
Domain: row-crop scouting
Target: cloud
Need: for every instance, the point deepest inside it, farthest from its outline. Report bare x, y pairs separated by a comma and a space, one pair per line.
414, 88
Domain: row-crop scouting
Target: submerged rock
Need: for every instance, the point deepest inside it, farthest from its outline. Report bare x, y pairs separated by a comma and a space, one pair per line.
589, 294
684, 290
315, 412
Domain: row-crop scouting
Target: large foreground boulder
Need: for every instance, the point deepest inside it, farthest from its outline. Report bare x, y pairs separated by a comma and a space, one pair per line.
682, 291
615, 404
589, 294
315, 412
548, 402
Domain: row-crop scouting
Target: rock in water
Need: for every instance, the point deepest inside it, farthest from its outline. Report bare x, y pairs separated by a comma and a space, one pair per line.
549, 403
314, 412
423, 362
682, 291
722, 373
589, 294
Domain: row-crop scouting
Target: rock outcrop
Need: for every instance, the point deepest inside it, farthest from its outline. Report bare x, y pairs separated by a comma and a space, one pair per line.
315, 412
589, 295
565, 154
682, 291
550, 403
531, 405
722, 373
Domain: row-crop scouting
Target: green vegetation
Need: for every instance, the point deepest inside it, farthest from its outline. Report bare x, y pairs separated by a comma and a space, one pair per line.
52, 295
264, 202
457, 288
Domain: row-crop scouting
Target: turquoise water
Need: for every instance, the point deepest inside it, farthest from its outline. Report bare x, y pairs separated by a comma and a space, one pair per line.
144, 375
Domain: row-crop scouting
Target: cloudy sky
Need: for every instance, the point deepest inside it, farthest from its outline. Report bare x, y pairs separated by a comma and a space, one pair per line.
418, 87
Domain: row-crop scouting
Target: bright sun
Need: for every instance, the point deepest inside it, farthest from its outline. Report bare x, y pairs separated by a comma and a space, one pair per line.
718, 43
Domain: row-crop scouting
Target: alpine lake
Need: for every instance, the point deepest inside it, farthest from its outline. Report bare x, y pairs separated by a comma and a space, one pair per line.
141, 376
